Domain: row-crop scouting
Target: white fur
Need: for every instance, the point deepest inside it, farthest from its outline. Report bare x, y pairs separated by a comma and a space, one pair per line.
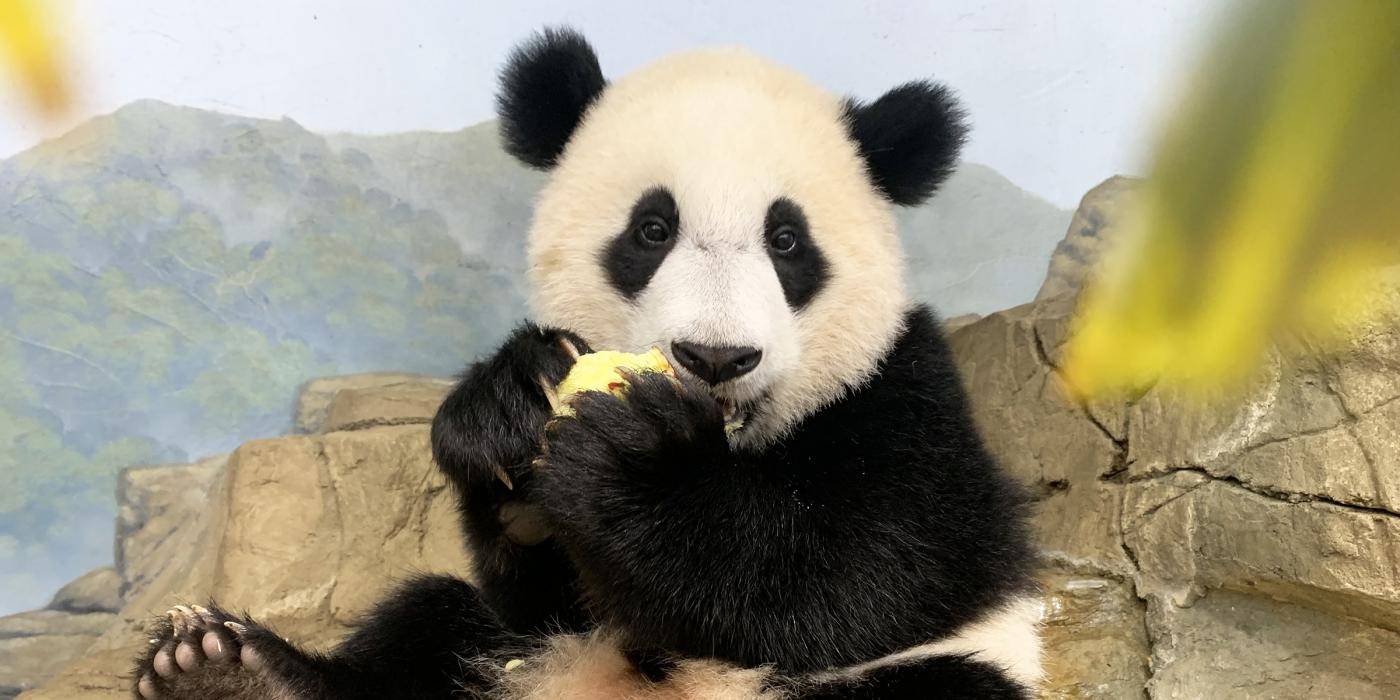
1008, 638
590, 667
727, 133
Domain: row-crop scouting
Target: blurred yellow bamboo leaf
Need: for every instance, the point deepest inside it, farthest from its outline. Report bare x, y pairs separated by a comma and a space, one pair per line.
29, 47
1273, 199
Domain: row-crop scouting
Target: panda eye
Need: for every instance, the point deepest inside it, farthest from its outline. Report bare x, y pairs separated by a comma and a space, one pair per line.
654, 232
784, 240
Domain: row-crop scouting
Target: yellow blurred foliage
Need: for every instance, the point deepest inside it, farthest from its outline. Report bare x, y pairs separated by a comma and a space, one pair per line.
1273, 200
30, 49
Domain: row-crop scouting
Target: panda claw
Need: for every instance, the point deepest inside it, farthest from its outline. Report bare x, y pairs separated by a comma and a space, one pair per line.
179, 621
568, 347
504, 477
204, 615
236, 628
550, 394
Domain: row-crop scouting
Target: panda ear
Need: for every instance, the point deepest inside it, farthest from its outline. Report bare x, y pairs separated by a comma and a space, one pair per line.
546, 85
909, 138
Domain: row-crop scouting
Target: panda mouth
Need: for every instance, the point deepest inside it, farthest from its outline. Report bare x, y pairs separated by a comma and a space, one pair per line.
729, 410
734, 414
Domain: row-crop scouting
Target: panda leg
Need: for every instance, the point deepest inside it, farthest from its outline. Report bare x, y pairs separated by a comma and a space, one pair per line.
427, 640
931, 677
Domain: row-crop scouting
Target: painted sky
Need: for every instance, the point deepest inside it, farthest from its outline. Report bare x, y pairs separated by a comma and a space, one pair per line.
1062, 94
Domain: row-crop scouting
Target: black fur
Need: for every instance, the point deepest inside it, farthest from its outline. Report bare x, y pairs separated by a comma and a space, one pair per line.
630, 260
802, 270
879, 525
937, 677
493, 422
909, 138
547, 85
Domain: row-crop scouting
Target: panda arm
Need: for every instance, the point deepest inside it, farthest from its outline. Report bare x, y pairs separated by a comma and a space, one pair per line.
485, 435
882, 524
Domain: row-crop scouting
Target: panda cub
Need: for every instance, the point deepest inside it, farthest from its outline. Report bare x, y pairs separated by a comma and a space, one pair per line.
853, 539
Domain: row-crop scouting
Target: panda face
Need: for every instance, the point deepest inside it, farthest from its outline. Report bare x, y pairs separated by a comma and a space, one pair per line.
718, 289
720, 208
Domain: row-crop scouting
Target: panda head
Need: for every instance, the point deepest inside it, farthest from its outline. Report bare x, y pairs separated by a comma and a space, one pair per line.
727, 211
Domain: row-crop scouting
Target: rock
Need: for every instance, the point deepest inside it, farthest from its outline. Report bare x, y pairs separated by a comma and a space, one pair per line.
400, 403
319, 526
1191, 533
37, 623
98, 590
1276, 513
100, 674
1096, 224
1095, 635
1235, 645
155, 507
36, 645
317, 395
956, 322
1048, 442
1309, 425
304, 532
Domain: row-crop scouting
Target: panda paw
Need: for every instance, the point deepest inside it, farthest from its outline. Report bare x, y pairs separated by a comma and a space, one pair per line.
660, 423
489, 429
197, 652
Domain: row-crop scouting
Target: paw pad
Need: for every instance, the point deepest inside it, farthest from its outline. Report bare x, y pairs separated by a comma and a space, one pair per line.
193, 640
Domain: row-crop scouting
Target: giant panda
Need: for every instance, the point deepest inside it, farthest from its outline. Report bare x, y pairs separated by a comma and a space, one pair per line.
852, 539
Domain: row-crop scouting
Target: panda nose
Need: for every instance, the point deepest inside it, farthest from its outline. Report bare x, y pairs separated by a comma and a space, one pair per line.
716, 364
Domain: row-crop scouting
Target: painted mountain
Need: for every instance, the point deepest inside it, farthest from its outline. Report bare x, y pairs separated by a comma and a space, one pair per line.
170, 276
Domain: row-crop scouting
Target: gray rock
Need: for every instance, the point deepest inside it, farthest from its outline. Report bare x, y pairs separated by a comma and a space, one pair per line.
37, 623
316, 396
956, 322
1096, 637
155, 504
98, 590
1190, 533
34, 646
1097, 223
304, 532
1244, 523
399, 403
1237, 645
1048, 442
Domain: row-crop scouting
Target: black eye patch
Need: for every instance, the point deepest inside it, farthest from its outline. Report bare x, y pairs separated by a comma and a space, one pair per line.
633, 256
801, 268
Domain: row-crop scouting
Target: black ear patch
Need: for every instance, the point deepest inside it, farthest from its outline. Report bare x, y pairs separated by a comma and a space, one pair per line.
546, 85
909, 138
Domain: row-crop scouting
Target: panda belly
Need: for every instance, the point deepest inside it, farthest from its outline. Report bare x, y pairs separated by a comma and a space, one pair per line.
593, 667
